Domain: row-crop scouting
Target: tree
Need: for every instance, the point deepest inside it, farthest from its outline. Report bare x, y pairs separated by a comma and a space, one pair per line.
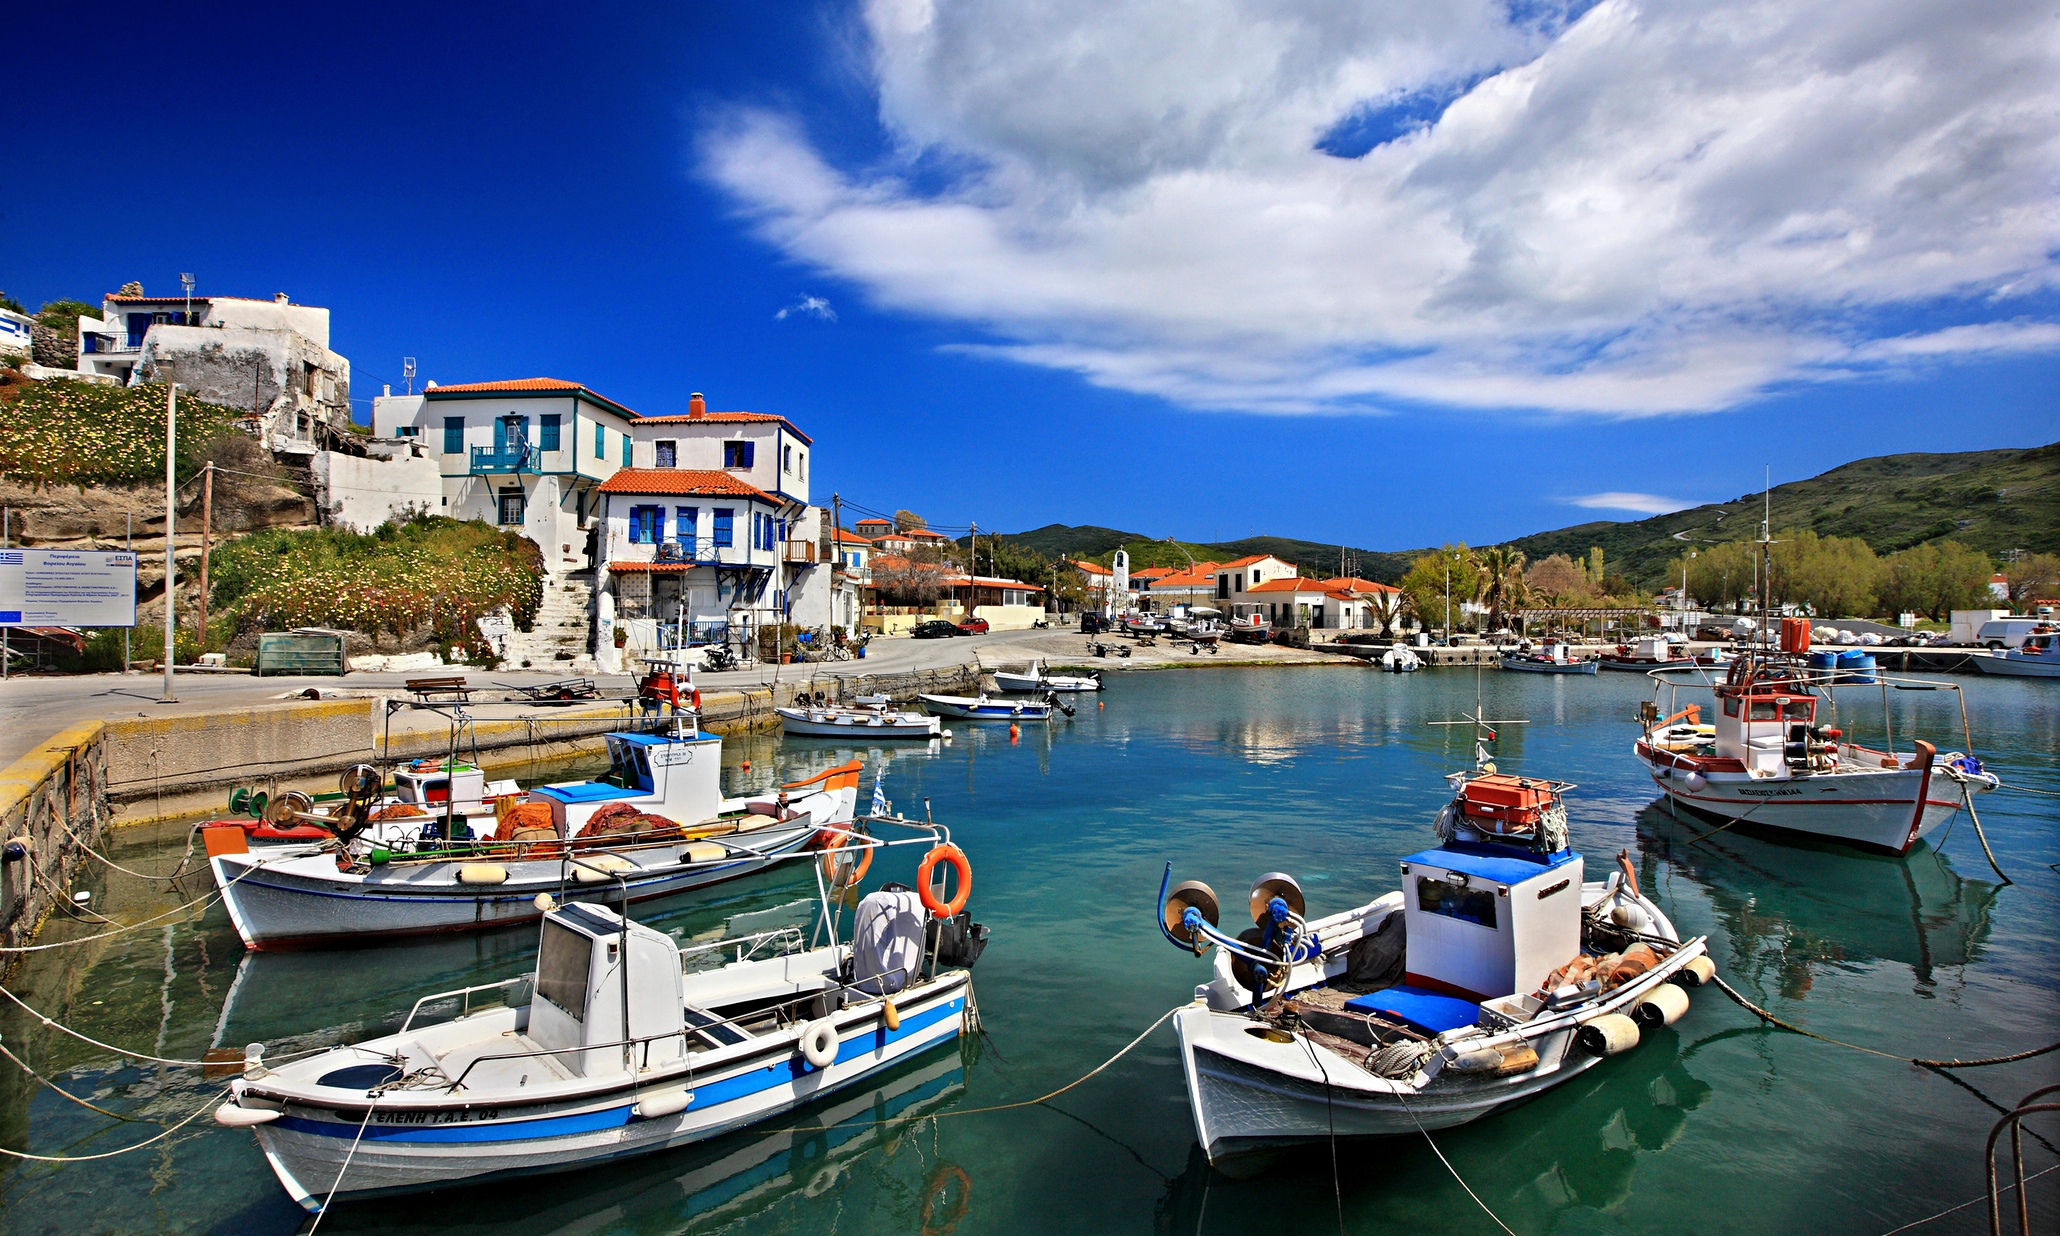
63, 316
1386, 610
915, 579
1559, 580
1835, 576
2033, 577
908, 521
1719, 575
1501, 582
1424, 582
1935, 579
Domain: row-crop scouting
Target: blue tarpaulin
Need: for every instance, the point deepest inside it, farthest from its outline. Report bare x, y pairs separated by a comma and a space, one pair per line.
1422, 1010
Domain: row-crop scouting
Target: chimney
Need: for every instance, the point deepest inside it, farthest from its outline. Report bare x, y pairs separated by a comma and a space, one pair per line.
386, 389
696, 406
280, 298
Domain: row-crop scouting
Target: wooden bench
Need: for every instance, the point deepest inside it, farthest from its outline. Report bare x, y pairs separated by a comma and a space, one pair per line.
452, 685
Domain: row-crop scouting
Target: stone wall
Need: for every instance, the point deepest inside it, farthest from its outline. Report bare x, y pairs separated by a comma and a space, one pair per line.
52, 801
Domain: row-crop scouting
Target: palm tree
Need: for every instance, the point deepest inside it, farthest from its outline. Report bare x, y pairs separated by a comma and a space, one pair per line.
1502, 583
1386, 610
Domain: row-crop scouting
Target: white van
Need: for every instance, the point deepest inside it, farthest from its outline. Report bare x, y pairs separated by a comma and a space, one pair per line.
2004, 633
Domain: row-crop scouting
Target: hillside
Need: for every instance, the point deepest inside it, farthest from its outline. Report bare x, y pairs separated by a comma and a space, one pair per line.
1098, 543
1989, 500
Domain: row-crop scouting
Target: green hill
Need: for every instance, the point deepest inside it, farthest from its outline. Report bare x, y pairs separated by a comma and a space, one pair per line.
1098, 544
1992, 501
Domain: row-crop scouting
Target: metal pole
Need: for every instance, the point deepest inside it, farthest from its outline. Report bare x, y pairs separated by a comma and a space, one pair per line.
6, 541
129, 543
207, 527
171, 530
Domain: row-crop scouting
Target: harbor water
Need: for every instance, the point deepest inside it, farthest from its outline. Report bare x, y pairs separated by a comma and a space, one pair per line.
1717, 1124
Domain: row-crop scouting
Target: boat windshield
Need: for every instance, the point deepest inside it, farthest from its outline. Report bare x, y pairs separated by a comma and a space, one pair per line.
562, 965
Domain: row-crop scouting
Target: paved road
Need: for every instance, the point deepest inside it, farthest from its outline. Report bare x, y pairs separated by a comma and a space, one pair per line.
34, 707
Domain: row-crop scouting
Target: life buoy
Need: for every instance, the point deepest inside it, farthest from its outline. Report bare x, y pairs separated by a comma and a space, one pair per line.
938, 1186
830, 860
819, 1043
696, 698
946, 853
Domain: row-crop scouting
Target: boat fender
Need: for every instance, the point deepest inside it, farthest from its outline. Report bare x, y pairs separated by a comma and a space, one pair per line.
1696, 781
1630, 916
1662, 1006
1473, 1060
819, 1043
230, 1116
482, 873
1696, 973
890, 1015
601, 868
668, 1102
1611, 1034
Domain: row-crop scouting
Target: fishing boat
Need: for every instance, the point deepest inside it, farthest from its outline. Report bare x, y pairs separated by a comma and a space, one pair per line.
1037, 678
2037, 657
1649, 652
1141, 624
1552, 657
619, 1042
1253, 630
983, 708
655, 826
868, 716
1765, 759
1497, 972
1400, 660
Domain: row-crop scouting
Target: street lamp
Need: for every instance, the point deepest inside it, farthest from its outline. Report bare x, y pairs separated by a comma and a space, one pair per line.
1684, 589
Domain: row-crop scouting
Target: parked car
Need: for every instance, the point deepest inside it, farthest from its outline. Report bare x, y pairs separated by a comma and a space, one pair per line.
1092, 623
973, 626
935, 628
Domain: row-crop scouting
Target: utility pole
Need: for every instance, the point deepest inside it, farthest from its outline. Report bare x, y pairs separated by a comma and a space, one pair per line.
972, 565
6, 542
207, 528
129, 543
837, 554
171, 529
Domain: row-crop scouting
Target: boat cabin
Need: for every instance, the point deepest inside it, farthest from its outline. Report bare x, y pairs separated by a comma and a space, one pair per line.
1764, 721
432, 783
607, 993
673, 775
1485, 921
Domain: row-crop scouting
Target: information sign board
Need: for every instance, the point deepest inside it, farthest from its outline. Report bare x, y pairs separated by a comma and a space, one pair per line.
67, 588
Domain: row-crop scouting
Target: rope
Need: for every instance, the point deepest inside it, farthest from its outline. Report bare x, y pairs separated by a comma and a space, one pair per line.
338, 1182
1448, 1164
177, 872
54, 1088
1964, 1205
88, 1158
198, 901
1967, 801
2025, 789
119, 1051
1764, 1015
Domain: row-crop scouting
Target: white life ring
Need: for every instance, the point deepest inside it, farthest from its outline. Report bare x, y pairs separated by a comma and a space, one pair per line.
819, 1043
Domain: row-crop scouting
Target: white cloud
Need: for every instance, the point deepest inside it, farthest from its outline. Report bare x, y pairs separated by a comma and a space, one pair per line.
1659, 207
1618, 500
812, 306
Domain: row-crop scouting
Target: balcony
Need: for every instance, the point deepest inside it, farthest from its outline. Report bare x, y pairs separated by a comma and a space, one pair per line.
108, 345
804, 552
521, 458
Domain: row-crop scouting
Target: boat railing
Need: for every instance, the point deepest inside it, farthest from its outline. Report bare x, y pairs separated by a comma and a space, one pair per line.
464, 995
1825, 681
782, 940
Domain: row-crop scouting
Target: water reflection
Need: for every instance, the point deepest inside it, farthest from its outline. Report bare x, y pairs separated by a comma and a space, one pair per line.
1791, 907
866, 1148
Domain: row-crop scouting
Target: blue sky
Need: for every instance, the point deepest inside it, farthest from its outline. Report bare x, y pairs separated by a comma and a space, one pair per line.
1296, 272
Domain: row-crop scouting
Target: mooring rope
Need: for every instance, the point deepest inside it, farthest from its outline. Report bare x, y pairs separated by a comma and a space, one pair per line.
202, 902
1967, 801
1970, 1202
88, 1158
338, 1182
60, 1091
1764, 1015
1448, 1165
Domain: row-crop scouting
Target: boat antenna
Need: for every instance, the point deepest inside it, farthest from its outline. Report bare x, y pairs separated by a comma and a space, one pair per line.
1483, 728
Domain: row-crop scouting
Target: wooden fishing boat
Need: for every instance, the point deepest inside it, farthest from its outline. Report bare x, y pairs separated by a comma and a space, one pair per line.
2037, 657
1038, 679
983, 708
1496, 973
867, 717
618, 1042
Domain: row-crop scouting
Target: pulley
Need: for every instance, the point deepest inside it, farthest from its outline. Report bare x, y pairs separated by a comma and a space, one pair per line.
1189, 895
1276, 884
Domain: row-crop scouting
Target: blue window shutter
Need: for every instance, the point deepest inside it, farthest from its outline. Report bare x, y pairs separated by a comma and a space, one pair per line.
724, 522
657, 524
750, 450
500, 436
779, 534
684, 519
625, 450
600, 440
453, 435
548, 439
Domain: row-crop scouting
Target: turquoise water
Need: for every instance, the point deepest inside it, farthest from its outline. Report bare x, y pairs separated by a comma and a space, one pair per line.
1713, 1125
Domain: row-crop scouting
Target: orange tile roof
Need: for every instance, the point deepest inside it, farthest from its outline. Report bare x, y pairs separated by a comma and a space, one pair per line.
1091, 568
1352, 583
1287, 585
529, 386
1249, 559
670, 481
181, 299
654, 567
1187, 579
726, 418
1152, 573
852, 538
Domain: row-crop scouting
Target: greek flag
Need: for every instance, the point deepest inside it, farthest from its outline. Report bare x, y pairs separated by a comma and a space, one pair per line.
879, 791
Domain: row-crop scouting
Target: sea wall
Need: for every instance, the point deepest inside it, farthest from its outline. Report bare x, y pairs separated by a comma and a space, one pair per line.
51, 800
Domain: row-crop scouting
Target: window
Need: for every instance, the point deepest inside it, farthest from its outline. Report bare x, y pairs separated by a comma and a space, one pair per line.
1468, 905
511, 507
737, 454
787, 460
510, 433
683, 520
563, 963
548, 434
1731, 707
600, 440
724, 519
646, 525
408, 431
454, 435
804, 465
779, 534
1223, 587
668, 454
625, 450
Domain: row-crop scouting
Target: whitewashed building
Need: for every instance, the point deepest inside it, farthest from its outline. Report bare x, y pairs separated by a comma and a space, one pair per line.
17, 338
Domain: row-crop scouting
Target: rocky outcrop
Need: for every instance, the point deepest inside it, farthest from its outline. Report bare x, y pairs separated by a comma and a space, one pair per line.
60, 517
47, 347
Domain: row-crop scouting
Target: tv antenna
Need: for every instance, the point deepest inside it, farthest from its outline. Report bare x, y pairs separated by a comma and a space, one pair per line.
1483, 727
408, 372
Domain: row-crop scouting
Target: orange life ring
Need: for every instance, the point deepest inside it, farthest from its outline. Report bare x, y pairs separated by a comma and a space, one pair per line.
696, 698
829, 859
947, 853
938, 1186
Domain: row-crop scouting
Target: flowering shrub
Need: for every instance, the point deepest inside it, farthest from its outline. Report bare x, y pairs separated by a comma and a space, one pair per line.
83, 433
429, 573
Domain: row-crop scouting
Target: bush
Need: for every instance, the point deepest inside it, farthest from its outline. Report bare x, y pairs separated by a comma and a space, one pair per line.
84, 433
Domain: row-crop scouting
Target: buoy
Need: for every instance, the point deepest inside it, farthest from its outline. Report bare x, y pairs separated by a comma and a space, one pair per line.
890, 1015
1631, 916
926, 888
667, 1102
747, 765
482, 873
1099, 704
819, 1043
544, 903
1014, 733
1662, 1006
1608, 1035
1696, 973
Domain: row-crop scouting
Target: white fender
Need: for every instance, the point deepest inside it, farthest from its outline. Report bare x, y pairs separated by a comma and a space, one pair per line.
819, 1043
1662, 1006
667, 1102
230, 1116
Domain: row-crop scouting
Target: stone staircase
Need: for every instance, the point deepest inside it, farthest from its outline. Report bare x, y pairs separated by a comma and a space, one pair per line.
562, 638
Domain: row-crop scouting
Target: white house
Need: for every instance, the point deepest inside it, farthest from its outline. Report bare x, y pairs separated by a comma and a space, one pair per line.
1235, 582
16, 334
1324, 604
270, 357
851, 558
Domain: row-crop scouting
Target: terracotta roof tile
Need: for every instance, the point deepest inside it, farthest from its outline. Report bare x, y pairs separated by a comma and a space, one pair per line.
1352, 583
1287, 585
727, 418
671, 481
530, 386
1249, 559
852, 538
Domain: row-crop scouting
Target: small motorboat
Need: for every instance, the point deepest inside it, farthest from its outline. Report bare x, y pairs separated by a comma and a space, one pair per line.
1037, 679
2037, 657
1497, 972
1253, 630
1400, 660
1552, 657
619, 1042
1648, 653
868, 716
1142, 625
986, 708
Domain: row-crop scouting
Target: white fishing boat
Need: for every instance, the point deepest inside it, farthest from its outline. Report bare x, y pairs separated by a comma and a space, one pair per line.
1400, 660
1497, 972
618, 1043
984, 708
868, 716
1552, 657
1765, 760
1037, 679
658, 825
2037, 657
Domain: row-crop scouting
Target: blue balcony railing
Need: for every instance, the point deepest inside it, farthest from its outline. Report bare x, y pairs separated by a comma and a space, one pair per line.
523, 458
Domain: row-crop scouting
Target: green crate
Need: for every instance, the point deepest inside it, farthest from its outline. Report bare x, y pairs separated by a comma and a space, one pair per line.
299, 653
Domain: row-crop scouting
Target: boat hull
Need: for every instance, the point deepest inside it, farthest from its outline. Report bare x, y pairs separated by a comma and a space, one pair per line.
2019, 667
1025, 683
468, 1144
816, 723
1888, 810
1549, 667
986, 710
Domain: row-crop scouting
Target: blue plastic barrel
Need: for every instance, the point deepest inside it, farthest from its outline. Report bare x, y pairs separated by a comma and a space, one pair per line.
1823, 661
1855, 666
